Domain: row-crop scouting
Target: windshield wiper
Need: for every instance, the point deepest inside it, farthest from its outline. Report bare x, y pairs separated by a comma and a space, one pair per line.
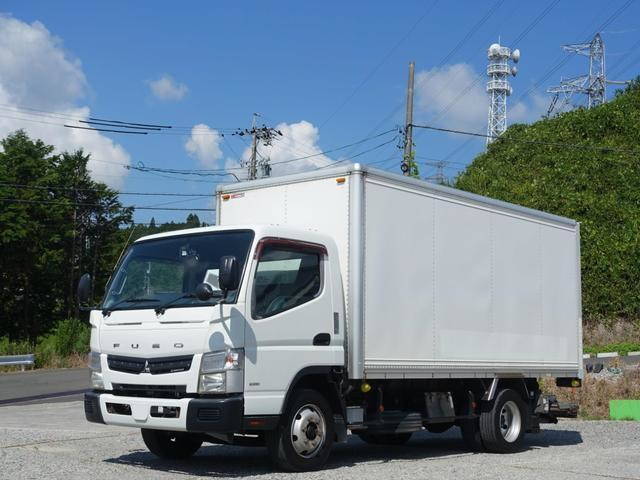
161, 308
107, 311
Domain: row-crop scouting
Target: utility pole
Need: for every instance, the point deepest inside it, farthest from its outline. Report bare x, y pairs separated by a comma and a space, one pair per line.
407, 166
253, 163
263, 134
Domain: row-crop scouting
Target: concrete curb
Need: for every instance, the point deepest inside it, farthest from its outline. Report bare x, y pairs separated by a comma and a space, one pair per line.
607, 355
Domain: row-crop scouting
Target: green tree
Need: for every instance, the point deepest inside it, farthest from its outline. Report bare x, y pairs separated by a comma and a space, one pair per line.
55, 223
193, 221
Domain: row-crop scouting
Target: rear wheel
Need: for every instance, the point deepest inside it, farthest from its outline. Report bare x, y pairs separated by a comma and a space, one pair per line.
385, 438
502, 427
303, 439
171, 445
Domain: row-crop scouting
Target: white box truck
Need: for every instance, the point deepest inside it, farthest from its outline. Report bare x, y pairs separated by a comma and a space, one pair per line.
346, 299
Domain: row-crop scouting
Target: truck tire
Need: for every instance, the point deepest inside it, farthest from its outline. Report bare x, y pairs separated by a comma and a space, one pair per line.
303, 439
385, 438
171, 445
502, 426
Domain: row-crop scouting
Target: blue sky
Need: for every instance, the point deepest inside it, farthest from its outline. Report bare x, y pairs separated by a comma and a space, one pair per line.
296, 63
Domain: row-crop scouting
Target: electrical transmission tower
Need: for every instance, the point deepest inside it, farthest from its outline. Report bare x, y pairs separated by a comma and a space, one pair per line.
593, 84
259, 135
498, 87
438, 177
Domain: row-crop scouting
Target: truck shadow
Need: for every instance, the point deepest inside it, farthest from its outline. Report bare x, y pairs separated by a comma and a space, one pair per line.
233, 461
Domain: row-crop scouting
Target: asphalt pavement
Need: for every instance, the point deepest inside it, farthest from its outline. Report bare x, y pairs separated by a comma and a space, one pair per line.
38, 386
53, 440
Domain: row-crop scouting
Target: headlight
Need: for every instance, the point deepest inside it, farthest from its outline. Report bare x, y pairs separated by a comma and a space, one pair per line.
93, 362
221, 372
222, 361
96, 381
213, 382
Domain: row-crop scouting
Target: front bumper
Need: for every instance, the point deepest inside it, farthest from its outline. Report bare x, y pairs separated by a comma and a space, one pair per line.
205, 414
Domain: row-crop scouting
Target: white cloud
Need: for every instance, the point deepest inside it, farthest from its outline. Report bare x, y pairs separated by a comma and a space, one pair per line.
166, 88
529, 111
35, 71
441, 89
204, 144
454, 97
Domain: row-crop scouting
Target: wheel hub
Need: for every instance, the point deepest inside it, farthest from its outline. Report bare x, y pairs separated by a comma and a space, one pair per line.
510, 421
308, 431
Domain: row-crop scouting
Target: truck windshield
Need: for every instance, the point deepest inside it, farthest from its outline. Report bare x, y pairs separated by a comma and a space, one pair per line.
157, 271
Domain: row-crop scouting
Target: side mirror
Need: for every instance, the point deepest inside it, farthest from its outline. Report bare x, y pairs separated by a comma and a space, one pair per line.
84, 289
229, 274
204, 292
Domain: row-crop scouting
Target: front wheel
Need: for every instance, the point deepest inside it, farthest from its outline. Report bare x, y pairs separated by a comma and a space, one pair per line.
171, 445
303, 439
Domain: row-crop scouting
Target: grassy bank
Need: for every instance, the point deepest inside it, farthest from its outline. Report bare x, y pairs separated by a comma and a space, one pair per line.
601, 335
65, 346
596, 391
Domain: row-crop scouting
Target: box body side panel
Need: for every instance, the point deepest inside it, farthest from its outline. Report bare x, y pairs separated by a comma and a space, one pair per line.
457, 289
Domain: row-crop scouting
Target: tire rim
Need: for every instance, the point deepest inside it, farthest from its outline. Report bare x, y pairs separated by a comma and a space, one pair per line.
308, 431
510, 421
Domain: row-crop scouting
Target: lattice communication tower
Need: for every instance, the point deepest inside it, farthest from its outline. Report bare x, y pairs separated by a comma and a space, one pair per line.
498, 88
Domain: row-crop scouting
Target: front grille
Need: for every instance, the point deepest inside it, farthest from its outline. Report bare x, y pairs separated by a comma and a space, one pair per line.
155, 366
149, 391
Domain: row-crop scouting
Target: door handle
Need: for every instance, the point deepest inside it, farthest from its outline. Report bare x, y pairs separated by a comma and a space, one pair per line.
323, 339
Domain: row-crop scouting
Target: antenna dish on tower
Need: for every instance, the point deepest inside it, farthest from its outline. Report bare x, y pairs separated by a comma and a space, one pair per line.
515, 55
514, 70
494, 50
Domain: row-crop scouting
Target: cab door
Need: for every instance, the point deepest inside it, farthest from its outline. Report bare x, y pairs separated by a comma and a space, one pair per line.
290, 320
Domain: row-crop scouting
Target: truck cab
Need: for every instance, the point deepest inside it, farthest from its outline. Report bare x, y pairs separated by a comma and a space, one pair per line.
204, 331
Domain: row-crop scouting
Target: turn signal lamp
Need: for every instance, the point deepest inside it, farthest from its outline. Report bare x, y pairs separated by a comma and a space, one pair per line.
340, 180
365, 387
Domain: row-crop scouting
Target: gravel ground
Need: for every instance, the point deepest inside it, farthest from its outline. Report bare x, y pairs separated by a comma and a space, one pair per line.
54, 441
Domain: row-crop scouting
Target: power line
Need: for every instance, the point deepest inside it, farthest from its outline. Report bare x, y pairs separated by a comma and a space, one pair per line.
58, 115
379, 65
535, 142
105, 130
358, 154
71, 204
449, 55
58, 187
565, 58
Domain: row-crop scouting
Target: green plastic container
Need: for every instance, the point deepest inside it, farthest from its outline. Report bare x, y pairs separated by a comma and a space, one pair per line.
624, 410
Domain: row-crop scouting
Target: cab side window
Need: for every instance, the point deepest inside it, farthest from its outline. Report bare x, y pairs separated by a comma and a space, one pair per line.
285, 278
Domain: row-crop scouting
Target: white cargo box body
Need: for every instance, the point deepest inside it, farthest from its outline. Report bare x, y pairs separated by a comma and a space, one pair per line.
438, 283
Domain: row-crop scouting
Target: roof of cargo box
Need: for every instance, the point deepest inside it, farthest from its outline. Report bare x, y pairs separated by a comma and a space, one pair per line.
350, 168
